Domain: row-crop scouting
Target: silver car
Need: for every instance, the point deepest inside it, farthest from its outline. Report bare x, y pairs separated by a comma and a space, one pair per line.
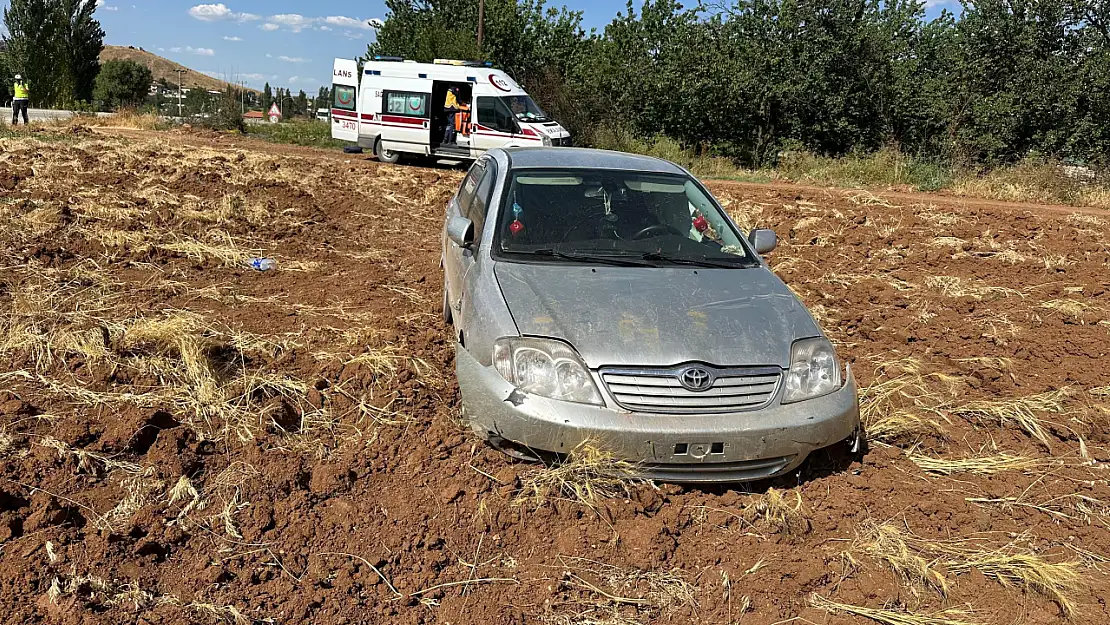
606, 297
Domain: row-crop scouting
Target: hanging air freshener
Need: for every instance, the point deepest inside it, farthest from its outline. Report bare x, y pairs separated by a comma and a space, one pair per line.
517, 226
700, 223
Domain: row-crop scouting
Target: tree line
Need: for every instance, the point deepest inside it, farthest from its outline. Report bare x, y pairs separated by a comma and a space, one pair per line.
1001, 81
55, 45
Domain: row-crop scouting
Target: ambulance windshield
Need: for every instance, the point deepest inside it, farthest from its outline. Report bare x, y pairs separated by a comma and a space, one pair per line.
525, 109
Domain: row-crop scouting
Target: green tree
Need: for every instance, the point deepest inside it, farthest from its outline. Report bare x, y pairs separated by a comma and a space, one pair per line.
301, 103
31, 28
56, 43
78, 42
267, 97
122, 82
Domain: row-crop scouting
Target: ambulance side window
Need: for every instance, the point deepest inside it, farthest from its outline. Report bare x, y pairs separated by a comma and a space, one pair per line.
405, 103
493, 113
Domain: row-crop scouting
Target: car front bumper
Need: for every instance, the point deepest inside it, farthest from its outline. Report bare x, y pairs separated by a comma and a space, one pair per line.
719, 447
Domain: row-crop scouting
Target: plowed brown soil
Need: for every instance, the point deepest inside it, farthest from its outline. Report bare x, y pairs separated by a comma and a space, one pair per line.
184, 439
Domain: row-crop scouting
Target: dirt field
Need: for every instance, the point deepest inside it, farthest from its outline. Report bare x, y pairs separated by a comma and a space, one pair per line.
184, 439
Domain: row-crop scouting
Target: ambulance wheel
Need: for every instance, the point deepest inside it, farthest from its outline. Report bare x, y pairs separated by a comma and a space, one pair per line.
387, 156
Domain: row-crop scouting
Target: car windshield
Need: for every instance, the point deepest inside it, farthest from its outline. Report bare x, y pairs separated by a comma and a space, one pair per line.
635, 218
524, 108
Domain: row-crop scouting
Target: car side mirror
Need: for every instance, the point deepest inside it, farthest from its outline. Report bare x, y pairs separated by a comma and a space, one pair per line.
763, 240
461, 231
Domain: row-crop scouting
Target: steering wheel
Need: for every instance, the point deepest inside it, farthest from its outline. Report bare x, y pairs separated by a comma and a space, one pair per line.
656, 229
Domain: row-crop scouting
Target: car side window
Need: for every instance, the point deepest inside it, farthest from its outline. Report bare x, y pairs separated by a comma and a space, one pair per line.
479, 206
468, 187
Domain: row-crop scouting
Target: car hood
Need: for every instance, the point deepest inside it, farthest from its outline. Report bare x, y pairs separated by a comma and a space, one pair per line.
658, 316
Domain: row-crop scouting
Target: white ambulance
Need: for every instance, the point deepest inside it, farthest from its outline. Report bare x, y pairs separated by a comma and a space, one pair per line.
399, 109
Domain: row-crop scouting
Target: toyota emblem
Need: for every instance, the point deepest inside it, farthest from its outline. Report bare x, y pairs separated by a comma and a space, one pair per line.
696, 379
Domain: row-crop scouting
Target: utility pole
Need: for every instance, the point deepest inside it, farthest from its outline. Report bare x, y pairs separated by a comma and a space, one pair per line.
481, 22
180, 77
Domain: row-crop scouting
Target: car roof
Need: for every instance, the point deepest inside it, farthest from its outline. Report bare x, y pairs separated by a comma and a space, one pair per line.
586, 158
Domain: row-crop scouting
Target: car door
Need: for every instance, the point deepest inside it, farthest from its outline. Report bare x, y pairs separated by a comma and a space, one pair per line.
453, 254
470, 259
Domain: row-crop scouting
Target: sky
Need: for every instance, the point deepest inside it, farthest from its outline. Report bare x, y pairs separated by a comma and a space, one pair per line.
287, 43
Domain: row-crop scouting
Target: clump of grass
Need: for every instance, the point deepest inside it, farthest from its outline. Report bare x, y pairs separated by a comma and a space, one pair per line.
307, 133
888, 543
587, 475
955, 286
899, 407
1068, 307
657, 589
979, 465
1022, 410
886, 167
892, 617
925, 563
1058, 581
776, 511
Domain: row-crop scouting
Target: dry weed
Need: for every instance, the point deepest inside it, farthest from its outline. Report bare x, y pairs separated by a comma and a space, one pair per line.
1024, 411
899, 407
661, 590
587, 475
890, 544
774, 511
979, 465
955, 286
892, 617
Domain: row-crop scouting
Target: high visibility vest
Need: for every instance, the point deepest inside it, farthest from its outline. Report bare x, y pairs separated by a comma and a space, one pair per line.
22, 92
462, 120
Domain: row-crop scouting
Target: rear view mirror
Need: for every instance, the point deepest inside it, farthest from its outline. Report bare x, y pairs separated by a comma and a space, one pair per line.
461, 231
763, 240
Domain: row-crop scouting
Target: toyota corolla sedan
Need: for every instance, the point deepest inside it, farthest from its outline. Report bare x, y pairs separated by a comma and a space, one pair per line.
606, 297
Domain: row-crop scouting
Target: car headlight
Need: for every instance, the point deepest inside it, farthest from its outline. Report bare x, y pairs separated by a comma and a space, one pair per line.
547, 141
545, 367
814, 370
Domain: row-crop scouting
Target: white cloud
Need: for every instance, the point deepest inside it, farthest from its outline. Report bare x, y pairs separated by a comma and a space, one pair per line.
219, 12
226, 38
295, 79
347, 22
196, 51
296, 22
291, 59
293, 21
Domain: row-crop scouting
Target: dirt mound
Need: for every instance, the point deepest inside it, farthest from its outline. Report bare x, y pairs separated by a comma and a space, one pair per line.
185, 439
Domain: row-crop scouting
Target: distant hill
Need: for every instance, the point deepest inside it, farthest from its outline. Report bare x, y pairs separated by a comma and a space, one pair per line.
163, 68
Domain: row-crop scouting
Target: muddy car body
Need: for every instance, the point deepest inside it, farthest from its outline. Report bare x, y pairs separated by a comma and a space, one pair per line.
605, 297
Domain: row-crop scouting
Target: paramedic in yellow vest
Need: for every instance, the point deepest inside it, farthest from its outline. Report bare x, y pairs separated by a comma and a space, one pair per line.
21, 99
451, 105
462, 119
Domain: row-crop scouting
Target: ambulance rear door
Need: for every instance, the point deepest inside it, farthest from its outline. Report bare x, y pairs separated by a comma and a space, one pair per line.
344, 104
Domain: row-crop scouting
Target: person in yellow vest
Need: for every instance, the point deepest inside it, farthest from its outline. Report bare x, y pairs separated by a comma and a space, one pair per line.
451, 106
21, 100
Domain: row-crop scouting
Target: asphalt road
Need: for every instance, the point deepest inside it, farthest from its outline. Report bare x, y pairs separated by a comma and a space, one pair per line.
39, 115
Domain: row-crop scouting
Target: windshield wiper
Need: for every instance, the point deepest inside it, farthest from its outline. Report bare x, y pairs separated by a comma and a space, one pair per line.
620, 261
700, 261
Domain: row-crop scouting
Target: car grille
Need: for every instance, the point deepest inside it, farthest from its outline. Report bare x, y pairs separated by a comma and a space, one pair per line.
561, 141
659, 390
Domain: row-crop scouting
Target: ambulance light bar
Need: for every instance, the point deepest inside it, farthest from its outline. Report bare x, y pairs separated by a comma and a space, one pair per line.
463, 63
378, 57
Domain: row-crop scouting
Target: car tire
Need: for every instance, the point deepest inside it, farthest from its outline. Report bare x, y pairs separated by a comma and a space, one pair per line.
386, 156
448, 318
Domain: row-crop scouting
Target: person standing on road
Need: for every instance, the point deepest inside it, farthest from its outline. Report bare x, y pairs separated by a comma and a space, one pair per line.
21, 100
